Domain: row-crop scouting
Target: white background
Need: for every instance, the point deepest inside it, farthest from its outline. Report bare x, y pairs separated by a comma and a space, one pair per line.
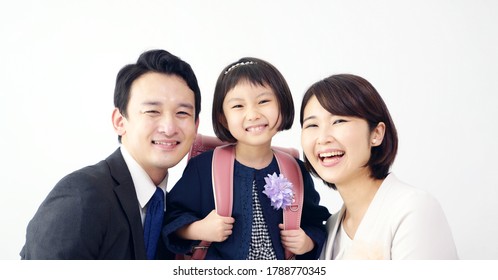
434, 62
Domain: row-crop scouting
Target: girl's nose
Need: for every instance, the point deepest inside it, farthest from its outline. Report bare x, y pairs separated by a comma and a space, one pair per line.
253, 114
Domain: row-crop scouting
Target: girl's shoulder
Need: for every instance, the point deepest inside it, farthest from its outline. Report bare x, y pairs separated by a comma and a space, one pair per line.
202, 158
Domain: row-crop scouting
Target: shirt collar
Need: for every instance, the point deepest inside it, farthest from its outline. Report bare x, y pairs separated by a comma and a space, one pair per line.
144, 187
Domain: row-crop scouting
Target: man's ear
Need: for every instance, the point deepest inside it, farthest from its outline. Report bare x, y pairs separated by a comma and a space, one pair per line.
118, 122
377, 135
196, 125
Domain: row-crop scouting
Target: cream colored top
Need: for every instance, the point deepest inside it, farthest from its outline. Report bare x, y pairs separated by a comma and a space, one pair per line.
402, 222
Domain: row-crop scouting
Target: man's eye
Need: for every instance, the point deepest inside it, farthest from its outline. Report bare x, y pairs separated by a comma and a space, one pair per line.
183, 113
151, 112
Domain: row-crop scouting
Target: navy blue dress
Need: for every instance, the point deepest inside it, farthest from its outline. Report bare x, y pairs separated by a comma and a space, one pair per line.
191, 199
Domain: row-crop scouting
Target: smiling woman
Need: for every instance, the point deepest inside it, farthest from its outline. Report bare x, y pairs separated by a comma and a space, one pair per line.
350, 142
435, 63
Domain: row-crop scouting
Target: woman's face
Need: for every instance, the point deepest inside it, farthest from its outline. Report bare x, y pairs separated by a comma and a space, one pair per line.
338, 147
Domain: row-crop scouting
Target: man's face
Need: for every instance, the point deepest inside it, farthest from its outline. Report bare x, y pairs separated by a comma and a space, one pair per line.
160, 126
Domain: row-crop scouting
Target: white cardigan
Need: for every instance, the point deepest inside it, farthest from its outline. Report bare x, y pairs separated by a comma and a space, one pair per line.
402, 222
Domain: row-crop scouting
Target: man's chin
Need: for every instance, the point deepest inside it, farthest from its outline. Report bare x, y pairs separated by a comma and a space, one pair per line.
170, 162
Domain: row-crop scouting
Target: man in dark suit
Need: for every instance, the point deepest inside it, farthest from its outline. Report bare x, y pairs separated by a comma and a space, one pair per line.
98, 212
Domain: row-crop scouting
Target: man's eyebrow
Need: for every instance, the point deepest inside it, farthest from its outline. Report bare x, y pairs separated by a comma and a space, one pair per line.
158, 103
187, 105
151, 103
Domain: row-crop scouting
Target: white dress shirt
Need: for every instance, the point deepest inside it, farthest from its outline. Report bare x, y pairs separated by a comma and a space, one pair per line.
144, 187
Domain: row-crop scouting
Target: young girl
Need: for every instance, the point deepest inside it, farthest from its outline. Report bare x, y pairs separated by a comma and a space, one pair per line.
350, 142
252, 102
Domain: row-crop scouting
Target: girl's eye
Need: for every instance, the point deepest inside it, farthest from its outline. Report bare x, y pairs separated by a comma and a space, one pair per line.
264, 101
339, 121
236, 106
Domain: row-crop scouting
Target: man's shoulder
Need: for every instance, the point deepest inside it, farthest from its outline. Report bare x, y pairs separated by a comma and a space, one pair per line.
101, 172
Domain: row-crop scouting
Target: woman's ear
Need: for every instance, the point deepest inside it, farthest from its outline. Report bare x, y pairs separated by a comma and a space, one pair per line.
118, 122
377, 134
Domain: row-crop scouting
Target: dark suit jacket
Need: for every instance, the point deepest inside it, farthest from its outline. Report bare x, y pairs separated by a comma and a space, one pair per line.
92, 213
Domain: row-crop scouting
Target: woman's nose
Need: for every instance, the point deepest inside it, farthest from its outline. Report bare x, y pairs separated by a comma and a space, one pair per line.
325, 136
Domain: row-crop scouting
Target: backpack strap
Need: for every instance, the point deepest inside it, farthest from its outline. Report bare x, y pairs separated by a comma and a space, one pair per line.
223, 161
292, 213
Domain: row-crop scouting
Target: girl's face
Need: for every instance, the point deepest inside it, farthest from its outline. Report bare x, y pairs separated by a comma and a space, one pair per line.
252, 113
337, 147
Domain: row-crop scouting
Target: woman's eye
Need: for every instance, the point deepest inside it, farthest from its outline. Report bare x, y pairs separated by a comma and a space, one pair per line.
236, 106
264, 101
310, 125
339, 121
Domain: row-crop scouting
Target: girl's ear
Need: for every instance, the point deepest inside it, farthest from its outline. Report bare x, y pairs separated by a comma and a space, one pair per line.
377, 134
118, 121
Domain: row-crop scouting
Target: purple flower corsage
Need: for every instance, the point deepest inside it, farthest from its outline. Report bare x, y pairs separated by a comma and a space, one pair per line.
279, 190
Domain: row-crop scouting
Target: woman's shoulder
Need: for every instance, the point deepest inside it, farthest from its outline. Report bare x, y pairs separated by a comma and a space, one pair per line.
404, 195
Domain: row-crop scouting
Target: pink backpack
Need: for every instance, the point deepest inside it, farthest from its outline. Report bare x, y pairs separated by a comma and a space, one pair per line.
223, 158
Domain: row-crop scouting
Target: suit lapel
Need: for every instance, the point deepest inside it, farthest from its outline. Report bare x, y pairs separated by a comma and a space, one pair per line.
127, 196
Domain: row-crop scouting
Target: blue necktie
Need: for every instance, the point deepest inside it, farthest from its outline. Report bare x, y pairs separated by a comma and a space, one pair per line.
153, 223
